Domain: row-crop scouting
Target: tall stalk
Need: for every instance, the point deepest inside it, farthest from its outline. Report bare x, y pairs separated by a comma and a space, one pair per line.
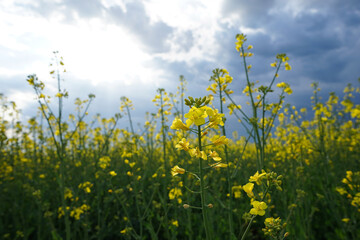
230, 213
202, 189
62, 149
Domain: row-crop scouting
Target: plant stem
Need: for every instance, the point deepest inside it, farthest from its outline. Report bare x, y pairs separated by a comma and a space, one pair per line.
255, 120
230, 217
202, 190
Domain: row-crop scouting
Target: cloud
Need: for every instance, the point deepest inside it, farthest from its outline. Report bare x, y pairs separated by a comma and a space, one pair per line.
130, 15
250, 13
135, 19
319, 39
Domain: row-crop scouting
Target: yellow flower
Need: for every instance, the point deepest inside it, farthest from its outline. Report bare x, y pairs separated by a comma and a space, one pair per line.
345, 220
269, 221
214, 155
236, 191
112, 173
355, 113
287, 66
86, 186
232, 107
349, 175
175, 223
285, 59
196, 116
288, 90
179, 125
61, 211
217, 140
177, 170
273, 64
341, 190
218, 165
183, 145
78, 211
203, 155
241, 38
257, 177
215, 118
104, 162
212, 87
68, 194
258, 208
228, 79
195, 152
356, 201
281, 85
175, 193
248, 188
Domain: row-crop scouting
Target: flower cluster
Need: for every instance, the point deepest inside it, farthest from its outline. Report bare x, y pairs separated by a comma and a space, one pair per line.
86, 186
104, 162
257, 199
351, 188
240, 40
199, 116
285, 86
282, 58
273, 227
221, 79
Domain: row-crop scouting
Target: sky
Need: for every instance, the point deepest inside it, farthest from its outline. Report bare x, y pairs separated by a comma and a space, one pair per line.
115, 48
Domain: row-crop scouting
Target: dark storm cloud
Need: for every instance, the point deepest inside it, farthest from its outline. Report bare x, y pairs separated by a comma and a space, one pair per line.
322, 42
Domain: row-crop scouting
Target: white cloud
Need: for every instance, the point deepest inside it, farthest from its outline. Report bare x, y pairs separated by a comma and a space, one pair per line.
247, 30
93, 49
201, 18
112, 3
22, 99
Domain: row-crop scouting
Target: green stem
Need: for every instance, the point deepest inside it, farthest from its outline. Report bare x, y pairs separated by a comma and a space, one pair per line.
230, 217
202, 190
254, 122
248, 227
252, 218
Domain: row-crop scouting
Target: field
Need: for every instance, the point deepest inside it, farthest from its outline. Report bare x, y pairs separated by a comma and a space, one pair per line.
295, 175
